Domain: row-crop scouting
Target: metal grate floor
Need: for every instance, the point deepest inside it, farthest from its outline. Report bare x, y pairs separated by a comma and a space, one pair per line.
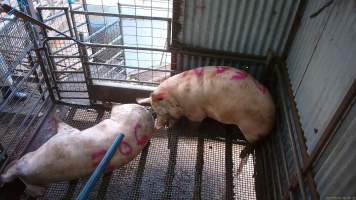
181, 163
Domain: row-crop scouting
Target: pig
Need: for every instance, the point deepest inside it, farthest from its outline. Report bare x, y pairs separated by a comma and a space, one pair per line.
71, 154
226, 94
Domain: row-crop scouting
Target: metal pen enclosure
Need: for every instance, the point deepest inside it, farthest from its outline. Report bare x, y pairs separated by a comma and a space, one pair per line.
122, 51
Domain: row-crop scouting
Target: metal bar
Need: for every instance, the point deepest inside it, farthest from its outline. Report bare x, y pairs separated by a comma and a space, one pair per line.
70, 28
52, 8
51, 69
284, 162
84, 55
229, 185
36, 129
290, 134
198, 177
168, 41
71, 82
72, 90
130, 67
271, 146
119, 15
74, 97
84, 194
37, 80
127, 81
70, 72
100, 30
123, 47
54, 16
297, 126
293, 31
139, 173
73, 22
172, 145
87, 20
63, 56
29, 18
20, 127
121, 31
219, 54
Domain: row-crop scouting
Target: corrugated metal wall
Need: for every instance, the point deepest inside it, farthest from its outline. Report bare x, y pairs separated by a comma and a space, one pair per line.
322, 63
244, 26
335, 171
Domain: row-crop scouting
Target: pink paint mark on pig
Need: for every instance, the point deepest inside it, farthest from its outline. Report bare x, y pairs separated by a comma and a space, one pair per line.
143, 140
220, 70
110, 168
198, 71
98, 155
260, 87
240, 75
125, 148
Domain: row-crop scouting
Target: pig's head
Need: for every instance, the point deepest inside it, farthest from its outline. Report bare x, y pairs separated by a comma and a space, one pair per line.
165, 106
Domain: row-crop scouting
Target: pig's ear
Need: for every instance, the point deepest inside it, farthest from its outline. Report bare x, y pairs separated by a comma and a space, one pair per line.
143, 100
158, 96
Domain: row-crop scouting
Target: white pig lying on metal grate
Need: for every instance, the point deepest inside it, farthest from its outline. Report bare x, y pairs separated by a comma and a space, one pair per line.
226, 94
71, 154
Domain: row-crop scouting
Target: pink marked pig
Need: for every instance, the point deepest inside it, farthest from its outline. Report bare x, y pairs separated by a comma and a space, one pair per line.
71, 154
225, 94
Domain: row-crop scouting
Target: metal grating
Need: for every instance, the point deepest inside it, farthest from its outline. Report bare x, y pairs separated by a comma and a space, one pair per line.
175, 165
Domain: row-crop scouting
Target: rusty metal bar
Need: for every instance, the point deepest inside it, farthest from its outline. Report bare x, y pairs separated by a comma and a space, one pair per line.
229, 185
139, 172
172, 144
290, 132
298, 129
198, 177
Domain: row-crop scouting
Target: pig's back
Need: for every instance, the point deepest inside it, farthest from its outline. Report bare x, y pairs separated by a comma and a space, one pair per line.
228, 95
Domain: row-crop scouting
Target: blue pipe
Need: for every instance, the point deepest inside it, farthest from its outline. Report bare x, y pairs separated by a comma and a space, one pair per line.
100, 168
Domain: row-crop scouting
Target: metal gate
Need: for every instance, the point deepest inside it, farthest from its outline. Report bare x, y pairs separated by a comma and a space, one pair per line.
121, 56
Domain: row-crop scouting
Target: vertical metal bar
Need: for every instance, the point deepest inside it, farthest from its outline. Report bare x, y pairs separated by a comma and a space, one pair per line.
169, 24
276, 164
229, 187
73, 22
139, 173
37, 80
68, 22
84, 57
51, 69
44, 72
290, 134
173, 144
121, 32
47, 51
85, 7
199, 169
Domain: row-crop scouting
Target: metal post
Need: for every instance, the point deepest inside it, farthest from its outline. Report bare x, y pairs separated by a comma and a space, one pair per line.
73, 21
84, 58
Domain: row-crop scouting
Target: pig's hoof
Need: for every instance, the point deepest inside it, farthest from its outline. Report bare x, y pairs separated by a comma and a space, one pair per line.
34, 190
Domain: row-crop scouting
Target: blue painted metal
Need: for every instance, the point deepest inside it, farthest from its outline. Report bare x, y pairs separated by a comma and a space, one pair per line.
100, 168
